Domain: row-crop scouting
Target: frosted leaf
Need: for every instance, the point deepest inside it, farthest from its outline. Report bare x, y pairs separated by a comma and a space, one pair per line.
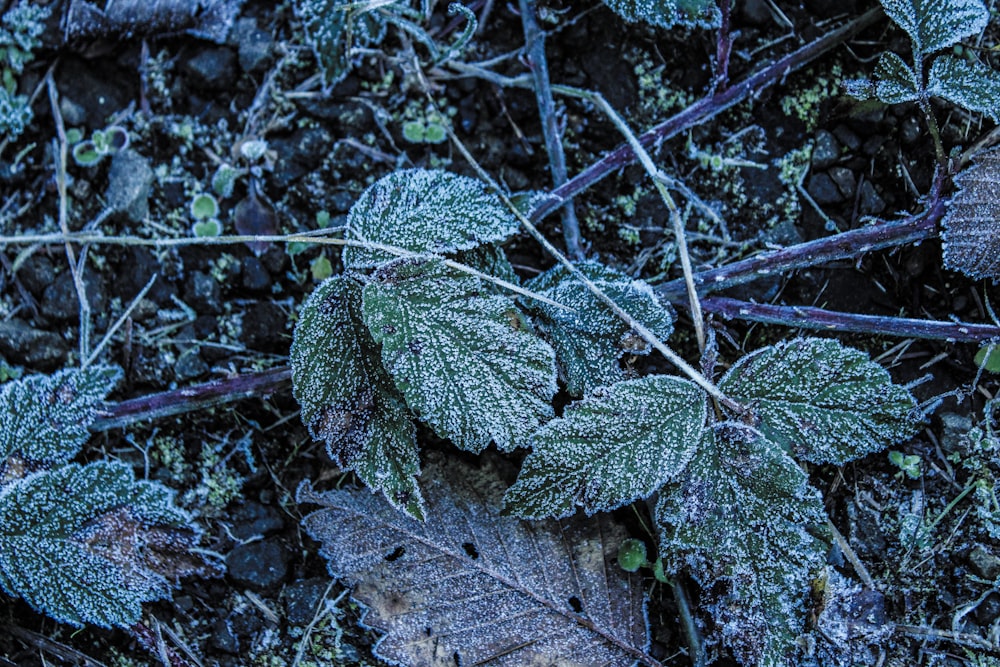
895, 81
490, 259
44, 419
971, 226
90, 544
470, 586
969, 84
821, 401
348, 400
667, 13
937, 24
465, 359
617, 445
590, 340
426, 212
740, 520
332, 27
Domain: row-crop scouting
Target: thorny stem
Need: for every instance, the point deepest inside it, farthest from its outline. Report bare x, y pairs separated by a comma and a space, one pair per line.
703, 110
534, 40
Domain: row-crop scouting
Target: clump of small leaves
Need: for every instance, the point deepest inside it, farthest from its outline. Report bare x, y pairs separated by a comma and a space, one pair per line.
20, 28
418, 328
667, 13
108, 141
82, 543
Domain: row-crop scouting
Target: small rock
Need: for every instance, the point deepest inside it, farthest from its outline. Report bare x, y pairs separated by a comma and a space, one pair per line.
847, 137
202, 292
823, 190
59, 300
264, 327
909, 131
190, 365
255, 45
223, 639
871, 203
253, 275
755, 12
212, 69
299, 153
984, 564
21, 344
954, 427
988, 610
36, 273
845, 181
130, 181
826, 150
302, 598
253, 519
260, 566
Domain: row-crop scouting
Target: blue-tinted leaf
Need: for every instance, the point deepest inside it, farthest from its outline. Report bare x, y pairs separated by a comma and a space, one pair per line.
44, 418
972, 224
465, 359
618, 444
590, 339
90, 544
821, 401
739, 520
895, 81
348, 400
425, 211
937, 24
667, 13
969, 84
332, 27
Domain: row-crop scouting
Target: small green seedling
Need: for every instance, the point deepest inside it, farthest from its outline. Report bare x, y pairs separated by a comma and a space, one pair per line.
424, 132
988, 358
205, 211
908, 464
108, 141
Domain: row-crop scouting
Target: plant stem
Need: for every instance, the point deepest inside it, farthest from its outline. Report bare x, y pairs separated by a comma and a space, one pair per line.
807, 317
723, 46
915, 228
198, 397
705, 109
534, 40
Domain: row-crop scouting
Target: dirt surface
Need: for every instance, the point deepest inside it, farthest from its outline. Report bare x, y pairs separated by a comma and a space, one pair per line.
214, 311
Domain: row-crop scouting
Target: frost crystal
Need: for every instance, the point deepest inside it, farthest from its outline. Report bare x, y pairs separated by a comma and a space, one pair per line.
44, 419
738, 520
425, 211
332, 27
472, 587
618, 444
937, 24
821, 401
590, 339
972, 224
90, 544
348, 400
667, 13
465, 360
969, 84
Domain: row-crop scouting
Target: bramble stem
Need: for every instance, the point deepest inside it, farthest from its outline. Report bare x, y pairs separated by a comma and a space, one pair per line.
534, 40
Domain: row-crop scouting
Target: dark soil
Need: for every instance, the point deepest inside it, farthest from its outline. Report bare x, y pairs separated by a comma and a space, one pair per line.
219, 310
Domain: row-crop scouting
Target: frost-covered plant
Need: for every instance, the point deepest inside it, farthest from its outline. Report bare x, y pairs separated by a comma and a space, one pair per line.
20, 28
667, 13
419, 328
81, 543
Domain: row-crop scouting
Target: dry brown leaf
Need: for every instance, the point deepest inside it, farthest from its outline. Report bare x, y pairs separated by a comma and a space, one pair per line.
972, 225
471, 585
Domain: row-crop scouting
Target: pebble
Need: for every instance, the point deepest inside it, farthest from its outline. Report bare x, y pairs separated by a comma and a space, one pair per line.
954, 427
299, 153
23, 345
984, 564
988, 610
130, 182
264, 327
302, 598
826, 150
252, 519
36, 274
223, 639
845, 181
213, 69
823, 190
255, 45
260, 566
190, 365
253, 275
909, 131
871, 203
59, 300
847, 137
203, 293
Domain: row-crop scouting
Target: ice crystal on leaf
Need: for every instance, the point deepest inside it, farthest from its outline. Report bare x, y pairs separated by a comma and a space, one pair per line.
971, 231
667, 13
741, 521
90, 544
821, 401
618, 444
348, 400
466, 360
332, 27
590, 339
473, 586
425, 211
895, 81
44, 419
937, 24
969, 84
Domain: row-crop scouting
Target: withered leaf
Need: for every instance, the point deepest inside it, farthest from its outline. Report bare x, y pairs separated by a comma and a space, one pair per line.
971, 231
471, 584
210, 19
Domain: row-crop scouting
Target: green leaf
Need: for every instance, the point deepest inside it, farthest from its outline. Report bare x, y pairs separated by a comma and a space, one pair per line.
466, 360
618, 444
739, 521
44, 419
821, 401
491, 260
348, 400
90, 544
895, 81
667, 13
590, 339
332, 27
969, 84
937, 24
425, 211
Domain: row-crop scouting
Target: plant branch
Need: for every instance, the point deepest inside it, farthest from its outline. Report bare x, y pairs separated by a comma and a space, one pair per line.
703, 110
534, 40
